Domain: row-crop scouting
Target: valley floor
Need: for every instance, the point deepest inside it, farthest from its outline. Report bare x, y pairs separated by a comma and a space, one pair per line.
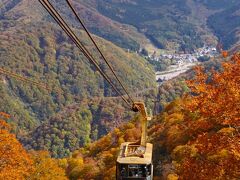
173, 71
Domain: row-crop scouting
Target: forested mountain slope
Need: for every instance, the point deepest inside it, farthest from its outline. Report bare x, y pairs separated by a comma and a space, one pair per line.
121, 34
165, 23
178, 24
173, 25
33, 46
226, 25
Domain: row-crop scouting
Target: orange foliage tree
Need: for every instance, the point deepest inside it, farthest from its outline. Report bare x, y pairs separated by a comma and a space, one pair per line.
212, 117
219, 99
15, 163
224, 54
214, 156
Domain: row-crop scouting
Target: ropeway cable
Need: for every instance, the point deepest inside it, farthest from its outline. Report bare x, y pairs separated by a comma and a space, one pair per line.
24, 79
97, 47
71, 34
57, 17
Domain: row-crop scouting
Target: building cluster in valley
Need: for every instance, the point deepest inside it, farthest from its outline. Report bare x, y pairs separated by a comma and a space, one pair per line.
182, 58
181, 62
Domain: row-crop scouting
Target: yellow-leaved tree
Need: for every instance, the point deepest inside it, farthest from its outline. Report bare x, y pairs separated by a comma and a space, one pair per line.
46, 167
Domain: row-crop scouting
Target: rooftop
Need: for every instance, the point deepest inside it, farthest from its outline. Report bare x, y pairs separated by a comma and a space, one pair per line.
135, 154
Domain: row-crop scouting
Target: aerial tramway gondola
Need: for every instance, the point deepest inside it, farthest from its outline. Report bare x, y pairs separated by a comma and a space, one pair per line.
135, 158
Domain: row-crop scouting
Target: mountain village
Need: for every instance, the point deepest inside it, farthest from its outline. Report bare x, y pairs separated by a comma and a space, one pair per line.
182, 61
181, 58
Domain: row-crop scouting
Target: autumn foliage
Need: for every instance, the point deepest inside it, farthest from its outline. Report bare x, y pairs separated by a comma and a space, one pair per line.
212, 120
218, 97
210, 156
15, 163
46, 167
224, 54
199, 135
98, 160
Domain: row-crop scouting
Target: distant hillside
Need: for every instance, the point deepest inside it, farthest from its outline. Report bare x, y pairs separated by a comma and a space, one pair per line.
226, 25
121, 34
220, 4
165, 23
178, 24
174, 25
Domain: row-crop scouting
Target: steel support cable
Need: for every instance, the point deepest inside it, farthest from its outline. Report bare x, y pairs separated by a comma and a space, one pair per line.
57, 17
97, 47
71, 34
24, 79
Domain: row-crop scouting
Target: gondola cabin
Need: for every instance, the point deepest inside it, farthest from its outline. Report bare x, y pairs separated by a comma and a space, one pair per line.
135, 162
135, 159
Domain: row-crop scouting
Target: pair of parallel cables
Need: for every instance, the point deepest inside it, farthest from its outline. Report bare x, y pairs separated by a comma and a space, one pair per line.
23, 79
66, 28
